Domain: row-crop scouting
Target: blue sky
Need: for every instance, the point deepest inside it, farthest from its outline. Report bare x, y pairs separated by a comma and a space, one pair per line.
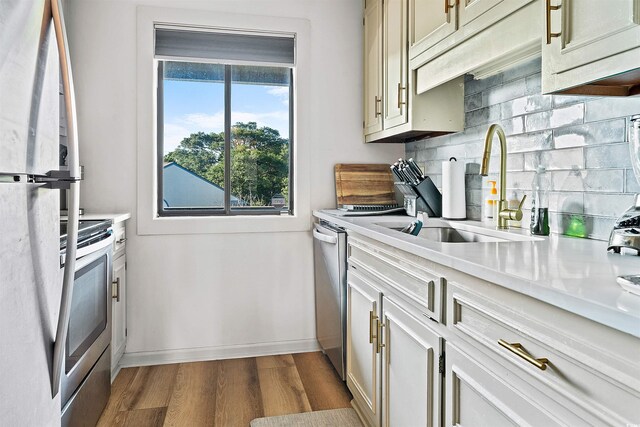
198, 107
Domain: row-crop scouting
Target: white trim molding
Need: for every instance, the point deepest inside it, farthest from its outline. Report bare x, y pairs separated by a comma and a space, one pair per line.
147, 358
147, 220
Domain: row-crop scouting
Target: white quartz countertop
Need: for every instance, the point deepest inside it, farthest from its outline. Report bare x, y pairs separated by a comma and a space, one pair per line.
577, 275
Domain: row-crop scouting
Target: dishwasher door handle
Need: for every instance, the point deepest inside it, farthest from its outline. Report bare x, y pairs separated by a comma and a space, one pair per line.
324, 238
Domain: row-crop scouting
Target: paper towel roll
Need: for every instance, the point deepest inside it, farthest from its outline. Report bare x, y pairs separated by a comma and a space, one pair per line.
453, 191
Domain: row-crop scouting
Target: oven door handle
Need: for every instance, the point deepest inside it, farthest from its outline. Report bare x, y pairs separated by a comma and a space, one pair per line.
95, 247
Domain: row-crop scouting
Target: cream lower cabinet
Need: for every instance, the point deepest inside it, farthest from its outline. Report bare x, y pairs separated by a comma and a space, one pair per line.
424, 351
411, 383
119, 298
394, 347
392, 359
480, 396
363, 355
513, 360
591, 47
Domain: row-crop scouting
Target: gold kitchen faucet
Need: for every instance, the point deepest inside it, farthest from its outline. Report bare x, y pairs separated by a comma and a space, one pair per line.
504, 213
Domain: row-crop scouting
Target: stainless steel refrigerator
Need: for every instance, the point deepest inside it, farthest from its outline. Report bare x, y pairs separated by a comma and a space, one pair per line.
34, 291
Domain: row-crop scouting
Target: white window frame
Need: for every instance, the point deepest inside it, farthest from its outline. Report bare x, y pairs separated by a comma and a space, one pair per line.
148, 222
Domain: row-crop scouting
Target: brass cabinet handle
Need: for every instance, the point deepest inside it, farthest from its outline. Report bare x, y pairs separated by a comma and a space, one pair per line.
372, 318
548, 10
516, 348
400, 101
379, 344
115, 290
447, 6
378, 101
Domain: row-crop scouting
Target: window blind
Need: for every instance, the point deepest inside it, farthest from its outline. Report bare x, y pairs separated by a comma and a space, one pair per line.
224, 46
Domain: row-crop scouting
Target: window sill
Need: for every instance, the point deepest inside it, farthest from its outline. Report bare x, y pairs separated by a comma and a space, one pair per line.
224, 225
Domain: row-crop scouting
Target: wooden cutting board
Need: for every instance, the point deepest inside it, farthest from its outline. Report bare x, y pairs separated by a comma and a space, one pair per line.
364, 184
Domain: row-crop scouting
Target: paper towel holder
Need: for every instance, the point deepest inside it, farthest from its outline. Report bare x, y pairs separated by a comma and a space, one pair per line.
447, 212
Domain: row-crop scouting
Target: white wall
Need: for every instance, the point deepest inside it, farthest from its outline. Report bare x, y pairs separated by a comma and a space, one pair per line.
215, 291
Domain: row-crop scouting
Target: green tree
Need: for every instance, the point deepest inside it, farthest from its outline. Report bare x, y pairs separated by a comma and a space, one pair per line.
259, 161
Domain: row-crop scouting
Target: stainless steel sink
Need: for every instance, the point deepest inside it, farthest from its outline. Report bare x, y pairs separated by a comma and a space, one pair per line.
437, 230
451, 235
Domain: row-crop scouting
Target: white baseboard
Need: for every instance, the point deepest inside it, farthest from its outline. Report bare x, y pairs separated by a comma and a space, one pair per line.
162, 357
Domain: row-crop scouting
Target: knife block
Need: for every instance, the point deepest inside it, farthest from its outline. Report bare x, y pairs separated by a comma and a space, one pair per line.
416, 196
432, 197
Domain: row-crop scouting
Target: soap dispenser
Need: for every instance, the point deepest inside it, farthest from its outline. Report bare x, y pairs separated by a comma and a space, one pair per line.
491, 202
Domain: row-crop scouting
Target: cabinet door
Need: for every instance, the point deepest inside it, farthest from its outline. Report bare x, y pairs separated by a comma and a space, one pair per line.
478, 396
469, 10
591, 30
363, 358
394, 56
429, 22
372, 66
411, 381
119, 310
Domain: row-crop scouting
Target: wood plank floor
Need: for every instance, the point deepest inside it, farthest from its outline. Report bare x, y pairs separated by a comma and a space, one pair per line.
224, 393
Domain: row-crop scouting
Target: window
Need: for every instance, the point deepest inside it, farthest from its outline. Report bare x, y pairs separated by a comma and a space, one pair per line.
225, 122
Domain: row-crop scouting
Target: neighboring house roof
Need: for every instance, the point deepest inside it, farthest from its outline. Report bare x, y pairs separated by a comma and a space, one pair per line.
184, 188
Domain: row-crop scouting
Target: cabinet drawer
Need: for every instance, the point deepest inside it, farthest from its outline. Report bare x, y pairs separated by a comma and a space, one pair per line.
477, 395
577, 368
120, 235
403, 272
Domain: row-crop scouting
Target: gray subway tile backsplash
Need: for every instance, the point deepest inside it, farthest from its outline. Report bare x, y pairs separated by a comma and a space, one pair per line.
611, 107
581, 140
596, 133
607, 156
554, 159
588, 180
631, 183
504, 92
565, 116
525, 105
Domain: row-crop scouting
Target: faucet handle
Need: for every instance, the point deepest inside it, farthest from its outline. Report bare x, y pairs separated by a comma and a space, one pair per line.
522, 202
513, 214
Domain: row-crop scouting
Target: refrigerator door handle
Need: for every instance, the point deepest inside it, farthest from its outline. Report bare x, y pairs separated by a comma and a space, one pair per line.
74, 199
67, 85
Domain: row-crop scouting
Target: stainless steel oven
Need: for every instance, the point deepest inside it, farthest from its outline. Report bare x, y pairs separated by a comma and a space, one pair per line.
85, 381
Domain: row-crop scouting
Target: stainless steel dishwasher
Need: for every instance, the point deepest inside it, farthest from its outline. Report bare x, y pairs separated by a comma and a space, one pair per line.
330, 263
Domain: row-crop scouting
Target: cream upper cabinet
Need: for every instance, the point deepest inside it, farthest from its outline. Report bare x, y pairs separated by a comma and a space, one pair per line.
431, 21
372, 70
470, 10
393, 112
394, 38
590, 40
480, 37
